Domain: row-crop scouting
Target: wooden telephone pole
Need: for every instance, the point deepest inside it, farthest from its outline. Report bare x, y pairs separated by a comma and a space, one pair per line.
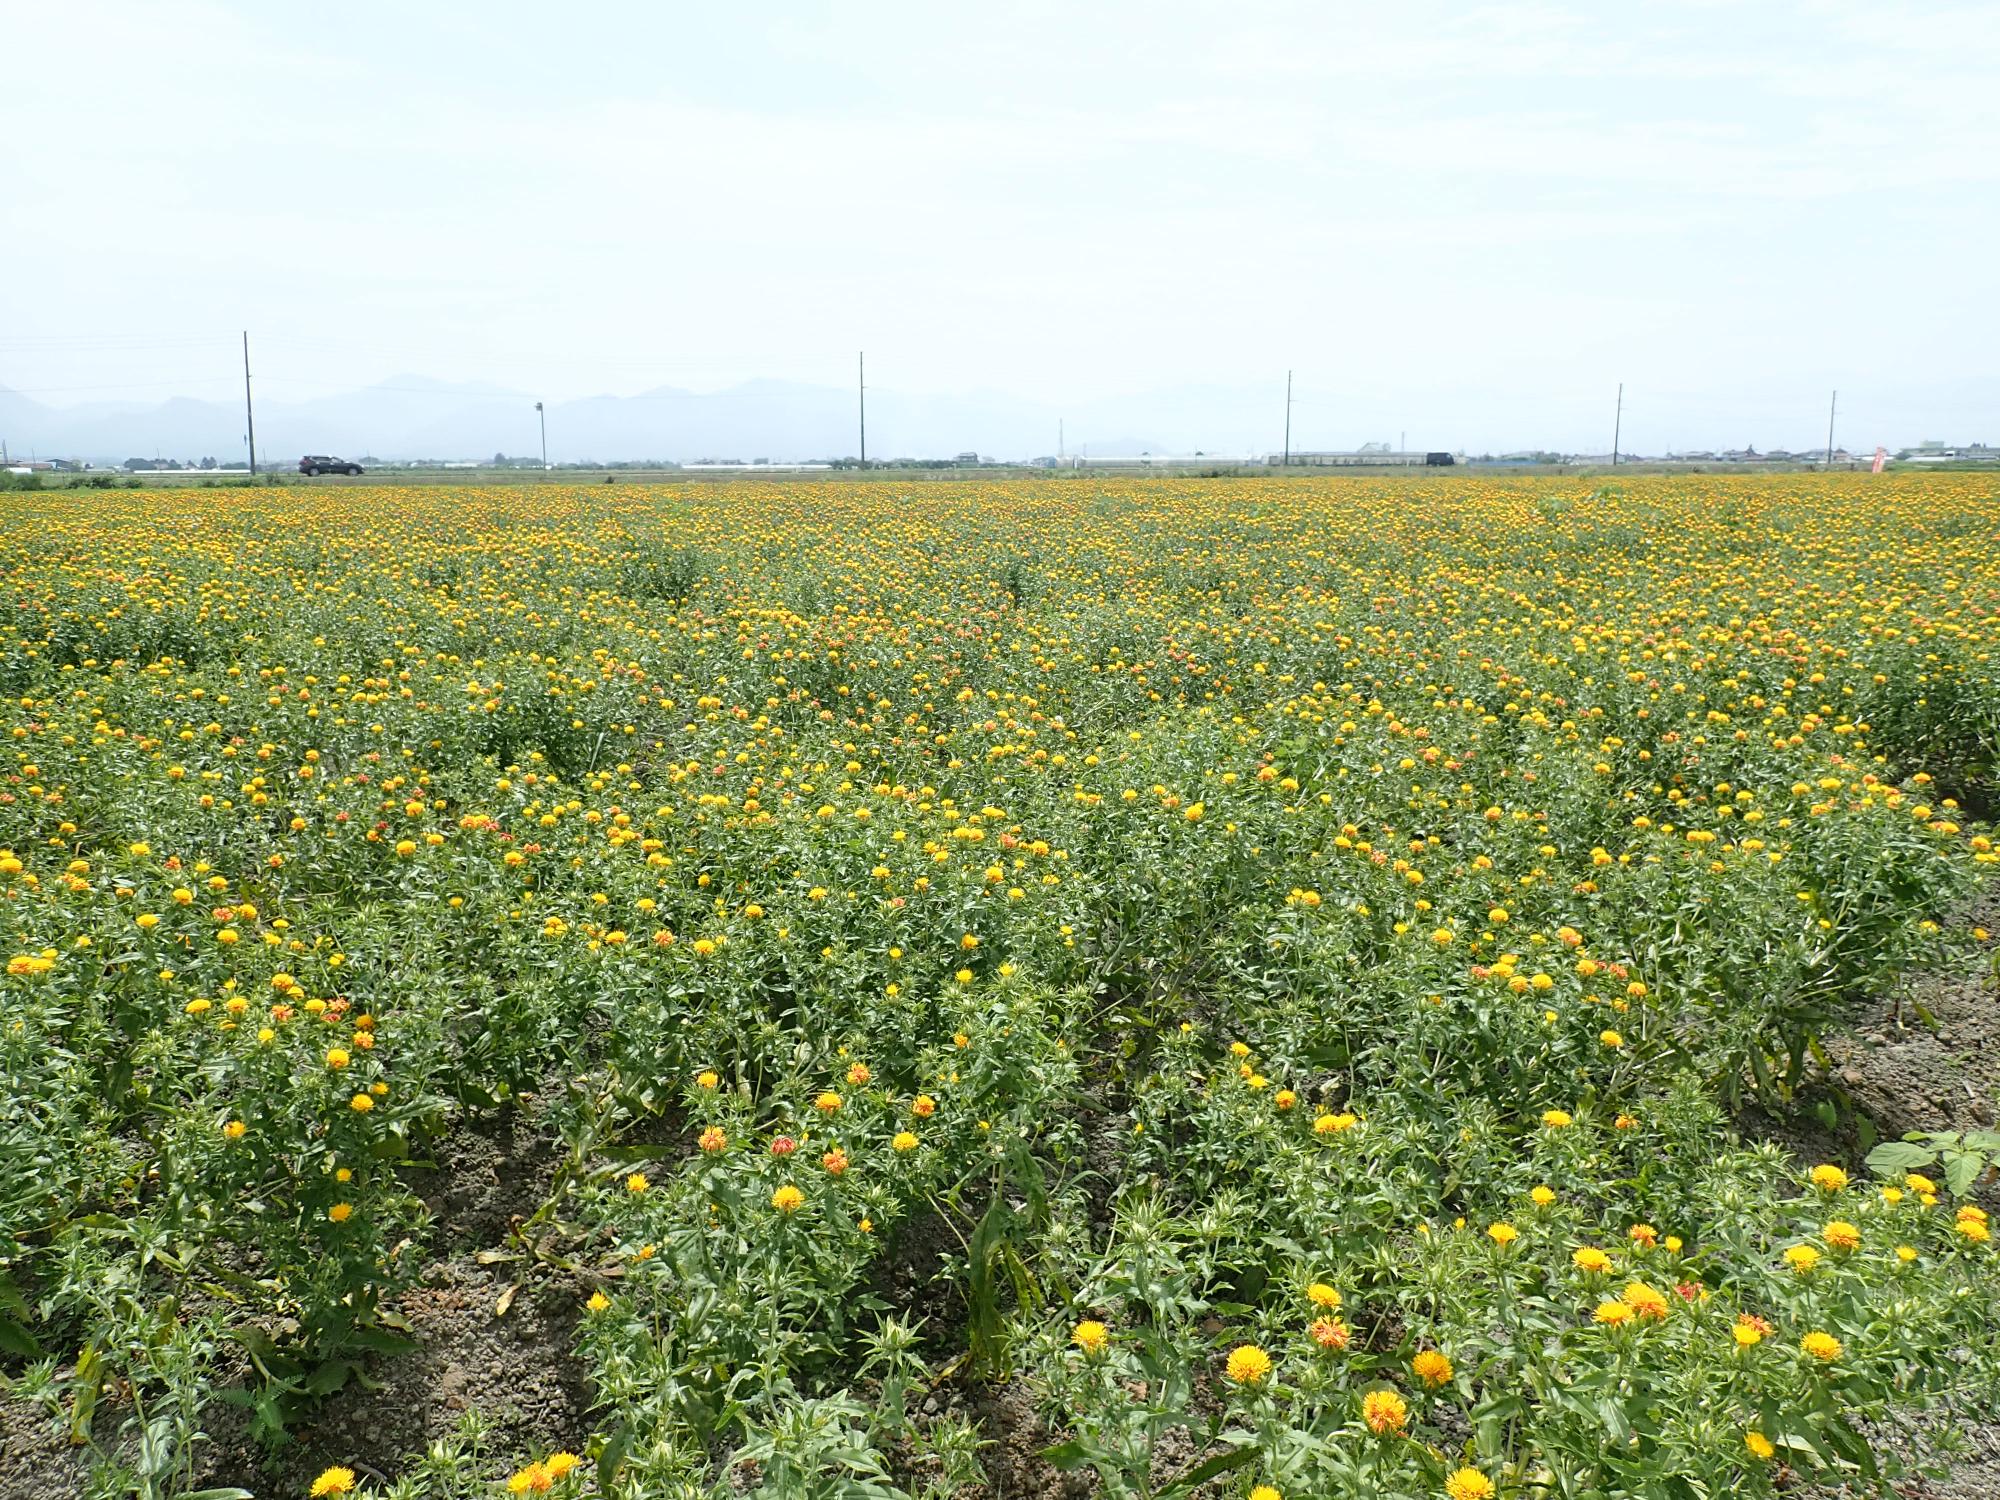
249, 416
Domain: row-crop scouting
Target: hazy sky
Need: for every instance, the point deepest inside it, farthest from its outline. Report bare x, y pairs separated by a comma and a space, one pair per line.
1732, 207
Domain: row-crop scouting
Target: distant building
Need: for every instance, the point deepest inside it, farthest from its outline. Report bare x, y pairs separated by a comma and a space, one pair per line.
1367, 456
1932, 451
1156, 461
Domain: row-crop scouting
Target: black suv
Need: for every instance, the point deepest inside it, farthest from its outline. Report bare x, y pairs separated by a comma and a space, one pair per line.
321, 464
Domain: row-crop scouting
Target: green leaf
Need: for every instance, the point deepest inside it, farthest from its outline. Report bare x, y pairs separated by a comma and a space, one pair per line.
982, 1292
17, 1341
378, 1341
1613, 1417
612, 1457
1894, 1158
1222, 1463
1961, 1170
330, 1377
1491, 1416
1073, 1454
86, 1385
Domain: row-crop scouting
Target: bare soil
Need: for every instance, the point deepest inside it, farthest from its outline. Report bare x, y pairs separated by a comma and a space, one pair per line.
35, 1462
518, 1369
1015, 1468
1925, 1057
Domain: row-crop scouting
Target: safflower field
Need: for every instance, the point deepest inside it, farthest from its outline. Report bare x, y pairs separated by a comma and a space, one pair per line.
1149, 989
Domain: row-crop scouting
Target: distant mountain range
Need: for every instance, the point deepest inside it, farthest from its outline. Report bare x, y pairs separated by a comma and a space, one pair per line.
413, 417
410, 417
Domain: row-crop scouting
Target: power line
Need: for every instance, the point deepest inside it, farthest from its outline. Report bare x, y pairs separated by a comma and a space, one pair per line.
460, 393
124, 385
110, 341
47, 343
411, 390
348, 387
636, 360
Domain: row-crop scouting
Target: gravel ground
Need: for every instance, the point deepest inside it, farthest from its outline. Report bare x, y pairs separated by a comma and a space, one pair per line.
35, 1463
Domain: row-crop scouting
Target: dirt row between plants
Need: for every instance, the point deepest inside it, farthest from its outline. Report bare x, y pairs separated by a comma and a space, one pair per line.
519, 1370
1925, 1057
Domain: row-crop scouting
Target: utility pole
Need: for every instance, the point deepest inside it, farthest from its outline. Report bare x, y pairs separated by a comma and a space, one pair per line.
249, 416
543, 417
1403, 445
1831, 407
861, 390
1618, 424
1059, 439
1288, 419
